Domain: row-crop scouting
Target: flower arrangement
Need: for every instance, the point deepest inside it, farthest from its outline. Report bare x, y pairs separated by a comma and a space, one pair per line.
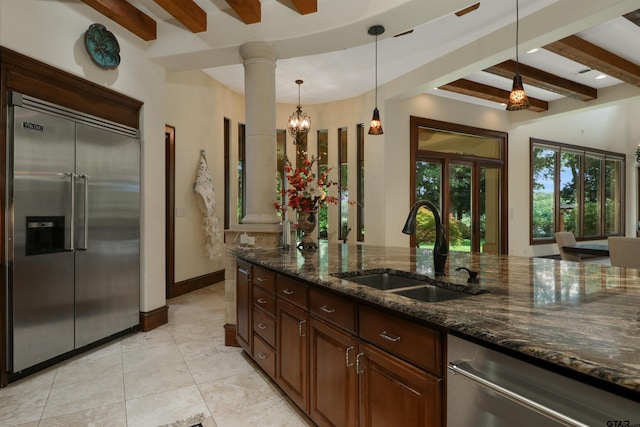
305, 191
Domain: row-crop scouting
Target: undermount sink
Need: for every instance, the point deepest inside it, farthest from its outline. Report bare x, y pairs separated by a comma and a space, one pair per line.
410, 285
383, 280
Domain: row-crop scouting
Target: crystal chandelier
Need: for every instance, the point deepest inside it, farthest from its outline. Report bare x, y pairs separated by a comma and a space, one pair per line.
299, 121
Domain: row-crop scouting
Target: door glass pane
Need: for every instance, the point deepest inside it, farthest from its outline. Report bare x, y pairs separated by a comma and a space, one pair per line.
569, 191
343, 200
592, 195
543, 173
281, 137
443, 141
428, 187
613, 196
460, 207
323, 164
490, 218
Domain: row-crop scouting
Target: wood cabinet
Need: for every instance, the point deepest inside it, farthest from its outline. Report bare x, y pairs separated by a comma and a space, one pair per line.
243, 305
292, 368
334, 381
343, 362
396, 393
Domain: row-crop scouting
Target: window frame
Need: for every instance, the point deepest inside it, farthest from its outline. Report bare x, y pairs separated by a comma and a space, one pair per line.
604, 156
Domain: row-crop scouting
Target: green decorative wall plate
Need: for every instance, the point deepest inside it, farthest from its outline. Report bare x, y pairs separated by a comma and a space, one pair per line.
102, 46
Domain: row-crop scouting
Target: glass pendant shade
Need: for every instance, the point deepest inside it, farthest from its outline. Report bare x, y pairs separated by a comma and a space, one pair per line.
518, 99
376, 126
299, 122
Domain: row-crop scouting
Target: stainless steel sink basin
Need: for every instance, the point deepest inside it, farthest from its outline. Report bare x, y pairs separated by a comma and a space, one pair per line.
384, 279
410, 285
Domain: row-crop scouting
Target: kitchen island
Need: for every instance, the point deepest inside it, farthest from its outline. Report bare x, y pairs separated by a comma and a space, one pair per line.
579, 320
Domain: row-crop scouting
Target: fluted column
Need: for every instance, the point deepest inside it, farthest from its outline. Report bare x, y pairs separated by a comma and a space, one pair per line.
259, 60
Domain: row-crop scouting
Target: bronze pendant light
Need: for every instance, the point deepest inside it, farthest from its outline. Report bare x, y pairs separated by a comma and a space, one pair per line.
518, 99
376, 126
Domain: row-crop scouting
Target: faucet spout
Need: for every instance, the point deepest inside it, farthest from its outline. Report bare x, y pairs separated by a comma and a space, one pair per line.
441, 246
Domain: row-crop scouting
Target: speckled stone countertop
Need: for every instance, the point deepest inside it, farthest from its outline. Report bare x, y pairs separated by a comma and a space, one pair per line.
582, 320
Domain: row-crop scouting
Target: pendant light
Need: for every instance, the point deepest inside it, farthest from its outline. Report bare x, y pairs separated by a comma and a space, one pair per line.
376, 126
518, 97
299, 121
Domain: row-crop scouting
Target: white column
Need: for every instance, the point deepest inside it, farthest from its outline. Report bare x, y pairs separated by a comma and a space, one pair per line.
260, 131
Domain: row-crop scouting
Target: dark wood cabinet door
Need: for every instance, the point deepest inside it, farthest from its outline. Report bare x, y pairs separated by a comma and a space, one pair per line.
395, 393
292, 368
244, 305
334, 382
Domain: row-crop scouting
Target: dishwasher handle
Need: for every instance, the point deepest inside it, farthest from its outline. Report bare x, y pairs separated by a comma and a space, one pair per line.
460, 367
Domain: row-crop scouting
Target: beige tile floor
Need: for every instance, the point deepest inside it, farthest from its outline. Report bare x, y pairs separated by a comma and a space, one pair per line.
154, 378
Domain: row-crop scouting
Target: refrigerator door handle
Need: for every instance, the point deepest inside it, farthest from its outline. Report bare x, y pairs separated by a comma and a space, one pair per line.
72, 217
86, 212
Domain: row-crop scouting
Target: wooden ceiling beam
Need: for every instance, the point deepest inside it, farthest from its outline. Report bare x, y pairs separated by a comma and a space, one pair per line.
248, 11
544, 80
127, 15
187, 12
634, 17
597, 58
305, 7
466, 10
490, 93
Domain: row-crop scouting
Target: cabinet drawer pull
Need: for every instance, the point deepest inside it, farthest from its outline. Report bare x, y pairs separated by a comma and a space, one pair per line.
262, 326
302, 334
328, 309
243, 271
262, 356
349, 364
261, 301
261, 279
389, 338
287, 291
359, 370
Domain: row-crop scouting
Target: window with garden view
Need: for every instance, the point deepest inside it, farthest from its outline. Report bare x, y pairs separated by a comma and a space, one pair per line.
575, 189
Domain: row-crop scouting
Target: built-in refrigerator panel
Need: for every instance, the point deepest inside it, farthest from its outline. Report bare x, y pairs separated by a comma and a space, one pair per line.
39, 250
72, 220
107, 234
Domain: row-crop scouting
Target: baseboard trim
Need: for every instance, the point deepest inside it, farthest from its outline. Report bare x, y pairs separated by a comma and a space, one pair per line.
186, 286
152, 319
230, 335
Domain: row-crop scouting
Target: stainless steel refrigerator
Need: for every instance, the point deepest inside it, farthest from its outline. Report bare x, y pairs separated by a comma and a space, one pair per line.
73, 247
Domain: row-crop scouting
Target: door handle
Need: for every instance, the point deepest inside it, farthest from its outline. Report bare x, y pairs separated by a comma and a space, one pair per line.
302, 334
86, 212
359, 370
72, 211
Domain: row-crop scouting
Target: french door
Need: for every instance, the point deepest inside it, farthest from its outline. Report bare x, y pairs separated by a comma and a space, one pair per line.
461, 170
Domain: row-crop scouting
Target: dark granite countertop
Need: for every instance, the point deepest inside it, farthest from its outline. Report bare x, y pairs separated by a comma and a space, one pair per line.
582, 320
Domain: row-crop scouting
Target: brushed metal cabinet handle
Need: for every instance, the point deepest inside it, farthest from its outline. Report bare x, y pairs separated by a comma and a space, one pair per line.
261, 356
261, 301
346, 356
262, 326
243, 271
328, 310
287, 291
300, 324
261, 279
387, 337
359, 370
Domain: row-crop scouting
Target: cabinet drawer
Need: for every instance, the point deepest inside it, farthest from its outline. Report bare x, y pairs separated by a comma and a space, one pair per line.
333, 308
264, 355
265, 300
408, 340
264, 325
293, 291
264, 278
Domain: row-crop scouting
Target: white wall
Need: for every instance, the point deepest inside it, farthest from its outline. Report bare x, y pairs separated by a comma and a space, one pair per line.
196, 106
51, 32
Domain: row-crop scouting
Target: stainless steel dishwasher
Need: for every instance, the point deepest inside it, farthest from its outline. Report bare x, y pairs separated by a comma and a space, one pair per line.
489, 389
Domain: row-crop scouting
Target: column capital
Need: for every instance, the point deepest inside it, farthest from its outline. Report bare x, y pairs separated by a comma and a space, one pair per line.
258, 50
